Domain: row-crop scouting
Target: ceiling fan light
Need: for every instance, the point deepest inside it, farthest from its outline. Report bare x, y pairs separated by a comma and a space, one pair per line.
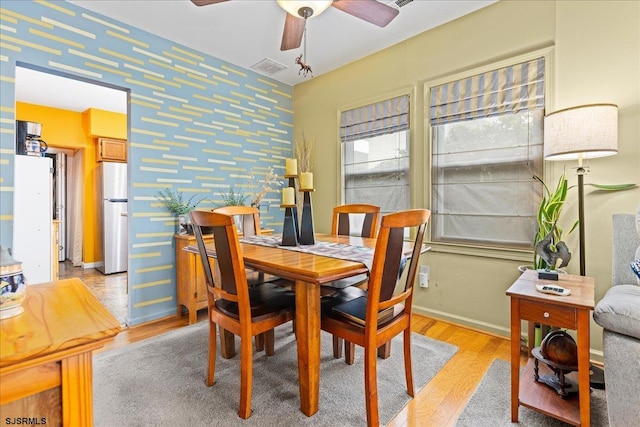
293, 6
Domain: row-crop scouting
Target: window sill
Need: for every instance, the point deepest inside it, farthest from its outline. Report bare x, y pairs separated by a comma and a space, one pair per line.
522, 255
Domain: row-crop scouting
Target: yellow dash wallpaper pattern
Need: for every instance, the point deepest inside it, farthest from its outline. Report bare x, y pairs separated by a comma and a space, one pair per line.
195, 124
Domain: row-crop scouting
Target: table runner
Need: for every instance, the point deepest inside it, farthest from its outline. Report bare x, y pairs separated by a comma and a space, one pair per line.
329, 249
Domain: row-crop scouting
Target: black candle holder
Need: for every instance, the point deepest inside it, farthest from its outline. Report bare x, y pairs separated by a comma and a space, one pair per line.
306, 228
290, 227
294, 207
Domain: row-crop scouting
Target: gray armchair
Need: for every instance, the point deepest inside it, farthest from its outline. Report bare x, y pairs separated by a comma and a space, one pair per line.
618, 312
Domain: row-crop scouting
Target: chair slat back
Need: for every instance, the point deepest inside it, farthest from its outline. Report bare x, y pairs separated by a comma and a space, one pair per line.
388, 255
340, 221
249, 218
230, 264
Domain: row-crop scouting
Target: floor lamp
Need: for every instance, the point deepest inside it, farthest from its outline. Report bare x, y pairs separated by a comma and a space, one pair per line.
583, 132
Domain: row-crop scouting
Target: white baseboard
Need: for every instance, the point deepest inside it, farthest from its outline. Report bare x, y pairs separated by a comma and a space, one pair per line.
86, 265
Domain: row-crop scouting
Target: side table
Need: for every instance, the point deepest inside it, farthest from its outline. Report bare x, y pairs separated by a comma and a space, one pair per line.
46, 363
570, 312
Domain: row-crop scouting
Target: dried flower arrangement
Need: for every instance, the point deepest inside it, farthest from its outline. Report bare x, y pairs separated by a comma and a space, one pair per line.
270, 180
304, 151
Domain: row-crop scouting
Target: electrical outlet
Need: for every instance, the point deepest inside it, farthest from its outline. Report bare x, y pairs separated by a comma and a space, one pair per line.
424, 276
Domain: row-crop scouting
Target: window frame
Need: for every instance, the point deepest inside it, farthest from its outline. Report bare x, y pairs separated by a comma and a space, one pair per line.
470, 248
410, 92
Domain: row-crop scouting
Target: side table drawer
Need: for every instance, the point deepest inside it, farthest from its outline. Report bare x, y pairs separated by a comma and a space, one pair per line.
563, 317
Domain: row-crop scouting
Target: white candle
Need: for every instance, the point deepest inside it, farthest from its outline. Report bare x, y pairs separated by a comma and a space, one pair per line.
287, 196
306, 181
291, 167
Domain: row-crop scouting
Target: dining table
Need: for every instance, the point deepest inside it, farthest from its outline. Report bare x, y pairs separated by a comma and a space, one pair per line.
309, 271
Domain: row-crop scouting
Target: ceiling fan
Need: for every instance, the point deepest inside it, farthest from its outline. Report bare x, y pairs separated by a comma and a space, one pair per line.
299, 11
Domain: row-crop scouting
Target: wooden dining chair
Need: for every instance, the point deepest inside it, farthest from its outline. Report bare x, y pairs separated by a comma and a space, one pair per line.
341, 226
249, 219
373, 319
242, 310
248, 216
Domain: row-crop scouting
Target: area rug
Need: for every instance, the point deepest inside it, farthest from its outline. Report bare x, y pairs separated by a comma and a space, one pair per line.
161, 382
490, 404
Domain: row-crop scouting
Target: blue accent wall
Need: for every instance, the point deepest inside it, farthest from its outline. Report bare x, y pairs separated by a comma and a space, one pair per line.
196, 124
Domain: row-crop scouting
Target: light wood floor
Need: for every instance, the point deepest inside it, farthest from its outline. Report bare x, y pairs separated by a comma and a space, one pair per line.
439, 403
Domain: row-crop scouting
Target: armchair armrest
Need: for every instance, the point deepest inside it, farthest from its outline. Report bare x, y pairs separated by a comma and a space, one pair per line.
619, 310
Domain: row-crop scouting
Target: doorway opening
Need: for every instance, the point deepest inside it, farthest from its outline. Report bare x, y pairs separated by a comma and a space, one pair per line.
59, 102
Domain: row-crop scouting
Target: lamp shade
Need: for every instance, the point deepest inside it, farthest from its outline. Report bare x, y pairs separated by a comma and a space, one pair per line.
293, 6
585, 132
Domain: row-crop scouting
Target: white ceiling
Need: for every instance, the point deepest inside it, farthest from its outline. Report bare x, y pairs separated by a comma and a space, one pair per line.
244, 32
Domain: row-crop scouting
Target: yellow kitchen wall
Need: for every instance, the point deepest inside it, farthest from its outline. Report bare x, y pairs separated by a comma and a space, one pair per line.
66, 129
596, 58
106, 124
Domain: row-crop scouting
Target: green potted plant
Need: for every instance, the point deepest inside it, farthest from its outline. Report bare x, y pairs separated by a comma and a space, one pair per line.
548, 244
233, 198
175, 203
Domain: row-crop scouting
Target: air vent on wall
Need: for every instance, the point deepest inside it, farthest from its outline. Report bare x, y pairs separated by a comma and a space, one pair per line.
268, 66
401, 3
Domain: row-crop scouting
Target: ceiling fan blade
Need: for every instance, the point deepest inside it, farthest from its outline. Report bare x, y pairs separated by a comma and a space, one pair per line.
368, 10
293, 31
206, 2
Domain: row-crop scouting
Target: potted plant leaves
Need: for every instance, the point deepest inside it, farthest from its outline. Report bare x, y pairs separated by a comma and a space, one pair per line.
548, 245
174, 202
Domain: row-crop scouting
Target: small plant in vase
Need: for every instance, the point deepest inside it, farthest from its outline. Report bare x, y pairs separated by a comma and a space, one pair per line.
233, 198
174, 202
548, 244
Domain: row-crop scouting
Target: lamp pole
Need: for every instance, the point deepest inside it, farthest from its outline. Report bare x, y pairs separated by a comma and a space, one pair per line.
581, 171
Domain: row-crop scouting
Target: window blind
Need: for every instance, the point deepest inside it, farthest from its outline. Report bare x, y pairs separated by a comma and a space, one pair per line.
504, 90
388, 116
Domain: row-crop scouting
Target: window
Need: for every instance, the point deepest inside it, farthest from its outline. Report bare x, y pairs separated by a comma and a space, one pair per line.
375, 155
486, 146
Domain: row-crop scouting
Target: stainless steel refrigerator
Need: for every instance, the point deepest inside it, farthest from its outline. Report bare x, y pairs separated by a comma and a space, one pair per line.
112, 178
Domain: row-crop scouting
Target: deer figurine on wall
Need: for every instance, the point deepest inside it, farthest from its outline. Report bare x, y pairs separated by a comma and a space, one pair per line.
304, 68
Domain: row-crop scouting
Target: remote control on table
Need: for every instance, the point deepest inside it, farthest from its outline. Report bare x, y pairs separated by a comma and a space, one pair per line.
553, 289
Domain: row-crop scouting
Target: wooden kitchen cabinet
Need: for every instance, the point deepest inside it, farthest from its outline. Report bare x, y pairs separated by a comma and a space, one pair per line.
111, 150
190, 281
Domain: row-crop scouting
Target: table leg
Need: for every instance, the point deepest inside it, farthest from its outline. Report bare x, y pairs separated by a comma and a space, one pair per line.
583, 368
77, 389
308, 344
515, 358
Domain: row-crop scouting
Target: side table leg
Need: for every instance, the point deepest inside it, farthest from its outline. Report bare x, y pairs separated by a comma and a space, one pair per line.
515, 358
583, 368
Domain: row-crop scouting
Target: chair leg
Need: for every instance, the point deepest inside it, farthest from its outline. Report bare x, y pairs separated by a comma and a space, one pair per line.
246, 376
227, 344
384, 351
211, 362
337, 347
259, 342
408, 372
269, 342
349, 352
371, 386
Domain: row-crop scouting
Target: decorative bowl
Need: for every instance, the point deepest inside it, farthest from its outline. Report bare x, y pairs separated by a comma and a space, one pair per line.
13, 286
